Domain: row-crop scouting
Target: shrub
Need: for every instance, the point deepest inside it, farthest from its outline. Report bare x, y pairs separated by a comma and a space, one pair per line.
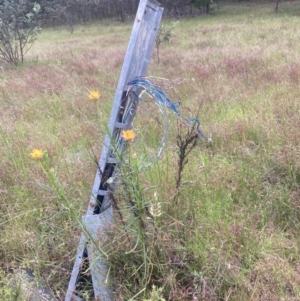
18, 29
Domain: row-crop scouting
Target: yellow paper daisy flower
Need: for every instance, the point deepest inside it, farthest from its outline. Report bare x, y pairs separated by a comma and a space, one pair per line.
94, 95
128, 135
37, 154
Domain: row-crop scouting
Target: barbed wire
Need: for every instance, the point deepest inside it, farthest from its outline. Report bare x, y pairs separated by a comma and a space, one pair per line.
145, 109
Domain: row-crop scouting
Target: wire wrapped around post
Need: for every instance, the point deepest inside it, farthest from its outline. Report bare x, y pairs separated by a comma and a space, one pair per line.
143, 92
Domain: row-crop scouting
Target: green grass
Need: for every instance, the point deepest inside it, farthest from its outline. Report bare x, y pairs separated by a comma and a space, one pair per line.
231, 231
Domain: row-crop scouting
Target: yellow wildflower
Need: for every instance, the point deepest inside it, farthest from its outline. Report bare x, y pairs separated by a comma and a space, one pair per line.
128, 135
37, 153
94, 95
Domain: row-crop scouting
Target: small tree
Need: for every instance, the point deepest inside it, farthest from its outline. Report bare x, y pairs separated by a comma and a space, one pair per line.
164, 34
203, 4
18, 29
277, 5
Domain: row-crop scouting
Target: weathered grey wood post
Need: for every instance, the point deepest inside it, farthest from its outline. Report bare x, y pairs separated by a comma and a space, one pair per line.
99, 214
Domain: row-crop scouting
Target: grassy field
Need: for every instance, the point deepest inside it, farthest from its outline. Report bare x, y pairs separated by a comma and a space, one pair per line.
229, 229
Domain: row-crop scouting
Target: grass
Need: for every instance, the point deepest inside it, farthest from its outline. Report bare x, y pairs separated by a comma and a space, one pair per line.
231, 231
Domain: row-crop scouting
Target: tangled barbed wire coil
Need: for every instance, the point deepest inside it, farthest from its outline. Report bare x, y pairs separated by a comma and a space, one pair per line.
145, 109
